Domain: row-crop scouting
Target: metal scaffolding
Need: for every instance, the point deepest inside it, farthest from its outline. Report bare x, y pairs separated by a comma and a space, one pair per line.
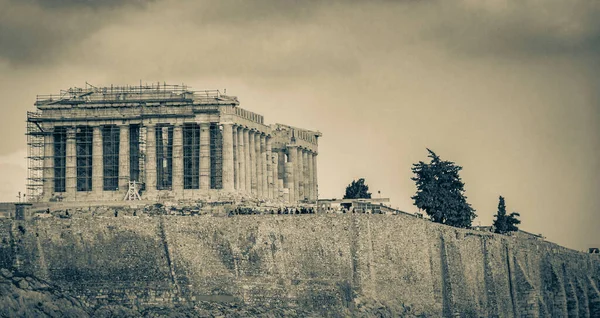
88, 154
137, 151
81, 157
191, 156
126, 94
164, 156
216, 156
110, 156
35, 156
60, 159
142, 156
84, 145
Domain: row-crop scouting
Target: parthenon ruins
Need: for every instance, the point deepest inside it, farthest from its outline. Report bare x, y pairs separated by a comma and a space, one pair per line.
163, 142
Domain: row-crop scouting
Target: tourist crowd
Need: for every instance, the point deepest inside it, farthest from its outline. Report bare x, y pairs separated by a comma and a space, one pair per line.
286, 210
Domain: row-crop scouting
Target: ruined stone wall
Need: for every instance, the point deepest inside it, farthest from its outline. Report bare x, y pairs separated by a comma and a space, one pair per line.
326, 264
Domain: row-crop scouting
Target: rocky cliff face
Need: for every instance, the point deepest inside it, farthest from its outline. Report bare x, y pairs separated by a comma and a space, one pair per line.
22, 295
320, 265
25, 296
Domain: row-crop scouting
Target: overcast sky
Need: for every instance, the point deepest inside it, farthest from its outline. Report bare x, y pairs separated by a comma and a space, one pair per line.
508, 90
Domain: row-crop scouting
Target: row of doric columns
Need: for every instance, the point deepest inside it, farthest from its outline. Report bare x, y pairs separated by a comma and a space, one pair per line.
123, 164
300, 175
248, 161
67, 179
204, 157
252, 168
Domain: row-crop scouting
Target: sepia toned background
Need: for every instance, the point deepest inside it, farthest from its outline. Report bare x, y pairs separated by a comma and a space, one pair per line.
509, 90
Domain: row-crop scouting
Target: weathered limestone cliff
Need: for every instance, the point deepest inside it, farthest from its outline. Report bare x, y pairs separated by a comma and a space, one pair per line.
326, 265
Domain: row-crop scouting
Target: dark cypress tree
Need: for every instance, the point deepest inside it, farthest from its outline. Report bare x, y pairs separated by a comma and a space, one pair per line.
500, 224
440, 192
505, 223
357, 190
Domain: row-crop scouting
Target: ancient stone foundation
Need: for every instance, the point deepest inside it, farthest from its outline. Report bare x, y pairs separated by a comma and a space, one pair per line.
327, 265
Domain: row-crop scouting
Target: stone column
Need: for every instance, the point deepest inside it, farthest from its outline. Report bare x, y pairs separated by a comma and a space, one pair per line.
293, 182
71, 164
150, 163
269, 167
315, 177
241, 159
305, 174
247, 163
281, 166
123, 158
252, 151
48, 172
283, 159
290, 197
280, 188
97, 162
236, 172
300, 175
311, 178
204, 156
177, 184
258, 164
274, 174
263, 166
228, 182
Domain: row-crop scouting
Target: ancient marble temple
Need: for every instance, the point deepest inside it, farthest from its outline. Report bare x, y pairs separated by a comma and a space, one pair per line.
163, 142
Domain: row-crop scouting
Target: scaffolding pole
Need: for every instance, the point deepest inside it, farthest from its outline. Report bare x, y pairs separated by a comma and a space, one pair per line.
84, 150
35, 157
130, 94
216, 156
191, 156
164, 156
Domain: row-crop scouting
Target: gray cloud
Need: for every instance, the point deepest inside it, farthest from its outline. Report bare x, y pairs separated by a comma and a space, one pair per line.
70, 4
35, 32
518, 28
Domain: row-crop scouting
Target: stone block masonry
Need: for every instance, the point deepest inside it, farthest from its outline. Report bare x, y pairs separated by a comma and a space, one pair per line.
325, 264
91, 144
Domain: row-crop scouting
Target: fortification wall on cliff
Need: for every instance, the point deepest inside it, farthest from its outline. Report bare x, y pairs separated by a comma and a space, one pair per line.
325, 264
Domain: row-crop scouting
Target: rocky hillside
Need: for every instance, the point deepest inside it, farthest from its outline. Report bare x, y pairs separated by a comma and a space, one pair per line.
27, 296
292, 265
